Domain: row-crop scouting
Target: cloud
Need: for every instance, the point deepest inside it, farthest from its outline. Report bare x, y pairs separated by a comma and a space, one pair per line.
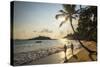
45, 31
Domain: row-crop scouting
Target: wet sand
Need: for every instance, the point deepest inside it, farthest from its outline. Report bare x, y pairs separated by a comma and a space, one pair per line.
56, 55
81, 55
54, 58
27, 57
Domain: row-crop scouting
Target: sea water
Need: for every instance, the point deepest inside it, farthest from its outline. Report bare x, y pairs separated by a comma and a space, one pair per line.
31, 45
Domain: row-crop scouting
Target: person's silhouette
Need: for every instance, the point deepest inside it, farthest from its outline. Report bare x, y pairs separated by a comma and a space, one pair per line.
65, 48
72, 48
66, 60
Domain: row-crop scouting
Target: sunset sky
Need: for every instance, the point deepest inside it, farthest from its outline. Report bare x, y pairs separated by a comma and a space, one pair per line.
32, 19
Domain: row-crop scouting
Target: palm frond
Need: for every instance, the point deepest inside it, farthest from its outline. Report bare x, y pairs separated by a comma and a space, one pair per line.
77, 11
74, 18
59, 15
69, 8
63, 12
75, 15
66, 7
66, 17
62, 23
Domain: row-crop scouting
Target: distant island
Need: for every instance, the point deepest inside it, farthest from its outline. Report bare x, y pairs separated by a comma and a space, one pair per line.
41, 38
36, 38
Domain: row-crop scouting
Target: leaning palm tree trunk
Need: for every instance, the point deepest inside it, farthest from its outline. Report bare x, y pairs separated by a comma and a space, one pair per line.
90, 52
69, 11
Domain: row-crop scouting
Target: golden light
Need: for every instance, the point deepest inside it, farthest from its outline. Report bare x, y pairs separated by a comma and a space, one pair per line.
64, 41
61, 18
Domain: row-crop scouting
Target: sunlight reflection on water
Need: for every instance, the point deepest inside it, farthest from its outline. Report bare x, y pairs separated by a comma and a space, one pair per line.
65, 41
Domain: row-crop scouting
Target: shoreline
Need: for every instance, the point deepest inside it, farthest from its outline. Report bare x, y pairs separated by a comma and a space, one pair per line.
26, 57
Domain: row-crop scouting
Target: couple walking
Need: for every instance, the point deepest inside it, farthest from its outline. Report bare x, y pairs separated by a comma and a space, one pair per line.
65, 49
72, 49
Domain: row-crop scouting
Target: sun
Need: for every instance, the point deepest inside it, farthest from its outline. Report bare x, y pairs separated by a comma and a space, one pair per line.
61, 18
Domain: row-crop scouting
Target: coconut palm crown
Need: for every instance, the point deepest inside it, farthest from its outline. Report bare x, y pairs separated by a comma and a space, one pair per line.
69, 12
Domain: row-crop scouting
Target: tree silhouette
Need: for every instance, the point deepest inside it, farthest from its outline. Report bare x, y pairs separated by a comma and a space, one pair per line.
70, 13
87, 26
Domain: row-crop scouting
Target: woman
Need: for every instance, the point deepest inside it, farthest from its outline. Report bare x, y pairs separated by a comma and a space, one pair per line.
65, 48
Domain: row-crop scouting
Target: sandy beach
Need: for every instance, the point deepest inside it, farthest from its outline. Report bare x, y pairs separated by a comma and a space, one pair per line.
27, 57
83, 55
55, 55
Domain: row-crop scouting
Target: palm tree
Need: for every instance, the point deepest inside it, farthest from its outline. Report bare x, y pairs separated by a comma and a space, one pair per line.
71, 13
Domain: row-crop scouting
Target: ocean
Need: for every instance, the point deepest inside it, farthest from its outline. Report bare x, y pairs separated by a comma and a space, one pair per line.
30, 45
33, 45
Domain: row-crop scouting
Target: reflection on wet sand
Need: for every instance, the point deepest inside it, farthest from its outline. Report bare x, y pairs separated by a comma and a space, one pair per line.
55, 58
49, 53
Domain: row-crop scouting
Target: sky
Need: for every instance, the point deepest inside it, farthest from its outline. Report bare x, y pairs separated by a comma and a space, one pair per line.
32, 19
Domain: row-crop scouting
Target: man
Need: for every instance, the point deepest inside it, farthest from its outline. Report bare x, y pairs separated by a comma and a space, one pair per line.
65, 48
72, 48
